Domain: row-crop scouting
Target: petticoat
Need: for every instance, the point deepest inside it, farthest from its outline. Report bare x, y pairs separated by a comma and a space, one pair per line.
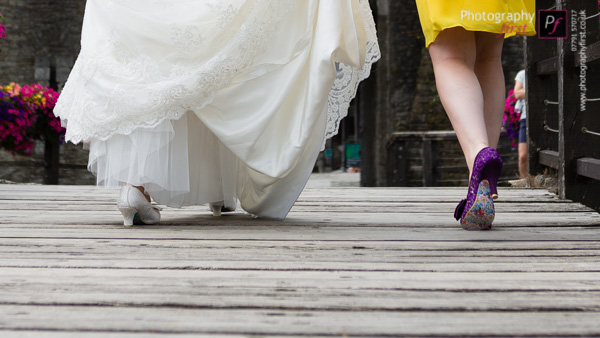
221, 100
511, 17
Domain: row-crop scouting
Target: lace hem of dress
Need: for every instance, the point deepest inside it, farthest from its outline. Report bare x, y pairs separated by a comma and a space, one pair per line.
212, 76
346, 84
149, 97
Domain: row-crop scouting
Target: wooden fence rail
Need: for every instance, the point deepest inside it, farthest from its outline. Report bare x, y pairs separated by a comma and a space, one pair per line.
564, 102
434, 158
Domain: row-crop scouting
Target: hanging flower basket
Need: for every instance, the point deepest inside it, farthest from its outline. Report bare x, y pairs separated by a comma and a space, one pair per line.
26, 114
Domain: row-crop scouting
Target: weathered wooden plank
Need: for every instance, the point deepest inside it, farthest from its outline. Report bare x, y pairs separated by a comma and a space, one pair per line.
547, 66
315, 220
589, 167
239, 255
284, 322
549, 158
259, 231
317, 217
592, 54
10, 190
404, 247
335, 250
347, 261
285, 255
290, 256
490, 264
396, 249
80, 334
298, 298
316, 206
336, 196
397, 280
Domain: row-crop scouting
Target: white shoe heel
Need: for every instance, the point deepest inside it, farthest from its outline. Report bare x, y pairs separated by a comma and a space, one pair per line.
128, 214
132, 201
216, 208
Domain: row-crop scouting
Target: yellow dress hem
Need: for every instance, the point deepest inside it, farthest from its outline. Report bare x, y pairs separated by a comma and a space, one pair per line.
429, 40
508, 17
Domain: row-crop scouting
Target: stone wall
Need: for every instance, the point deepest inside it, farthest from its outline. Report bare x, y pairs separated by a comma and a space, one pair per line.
30, 169
47, 31
38, 28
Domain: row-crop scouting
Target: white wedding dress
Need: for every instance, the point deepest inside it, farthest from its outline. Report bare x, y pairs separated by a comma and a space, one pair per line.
217, 100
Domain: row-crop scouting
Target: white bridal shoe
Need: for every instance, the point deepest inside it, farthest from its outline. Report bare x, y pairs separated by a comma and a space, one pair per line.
131, 202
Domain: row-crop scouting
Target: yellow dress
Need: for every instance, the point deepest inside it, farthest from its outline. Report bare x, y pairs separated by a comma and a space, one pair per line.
511, 17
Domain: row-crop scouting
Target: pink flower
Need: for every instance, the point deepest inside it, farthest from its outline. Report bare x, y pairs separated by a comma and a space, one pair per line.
2, 28
30, 105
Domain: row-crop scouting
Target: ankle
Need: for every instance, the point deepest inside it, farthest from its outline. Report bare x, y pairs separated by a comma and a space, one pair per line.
472, 155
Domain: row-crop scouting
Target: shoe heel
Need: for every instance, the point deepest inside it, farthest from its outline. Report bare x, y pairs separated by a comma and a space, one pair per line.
491, 173
492, 179
132, 201
493, 192
482, 213
128, 214
216, 208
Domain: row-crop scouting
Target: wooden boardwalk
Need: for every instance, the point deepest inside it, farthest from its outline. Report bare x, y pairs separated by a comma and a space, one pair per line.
346, 262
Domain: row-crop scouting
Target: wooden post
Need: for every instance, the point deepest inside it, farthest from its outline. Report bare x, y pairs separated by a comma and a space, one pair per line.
568, 107
428, 180
542, 114
366, 103
579, 83
576, 155
45, 76
397, 162
51, 162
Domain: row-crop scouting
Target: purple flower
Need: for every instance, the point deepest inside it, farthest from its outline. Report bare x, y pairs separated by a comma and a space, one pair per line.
26, 113
511, 119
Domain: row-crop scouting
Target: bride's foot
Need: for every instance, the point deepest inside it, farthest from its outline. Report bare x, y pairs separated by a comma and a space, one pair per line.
134, 205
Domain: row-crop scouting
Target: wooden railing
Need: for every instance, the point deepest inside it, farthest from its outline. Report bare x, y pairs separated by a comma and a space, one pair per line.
563, 99
434, 158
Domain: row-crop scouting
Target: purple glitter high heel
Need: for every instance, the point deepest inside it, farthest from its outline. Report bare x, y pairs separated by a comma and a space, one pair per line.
477, 212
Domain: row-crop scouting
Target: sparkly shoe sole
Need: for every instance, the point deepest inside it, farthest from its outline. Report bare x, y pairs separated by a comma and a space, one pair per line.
482, 213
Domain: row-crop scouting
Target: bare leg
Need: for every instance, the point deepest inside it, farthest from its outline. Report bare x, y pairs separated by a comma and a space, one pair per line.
488, 69
523, 160
454, 55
